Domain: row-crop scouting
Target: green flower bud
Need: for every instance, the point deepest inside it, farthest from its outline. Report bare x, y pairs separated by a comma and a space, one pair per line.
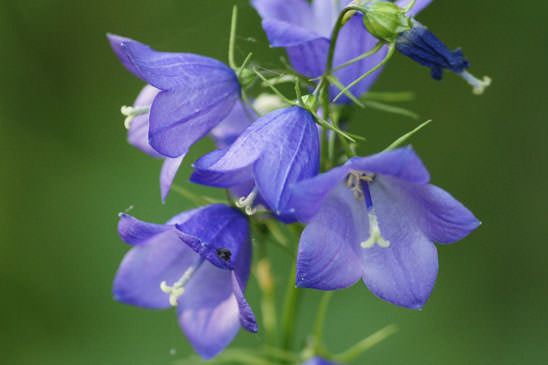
385, 20
247, 78
310, 102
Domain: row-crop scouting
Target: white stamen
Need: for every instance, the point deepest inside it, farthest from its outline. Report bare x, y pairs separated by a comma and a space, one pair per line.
131, 112
478, 86
247, 202
177, 289
374, 232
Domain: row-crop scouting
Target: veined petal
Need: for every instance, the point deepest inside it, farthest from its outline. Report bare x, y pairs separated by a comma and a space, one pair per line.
137, 134
402, 163
169, 70
181, 116
169, 170
308, 195
328, 257
226, 132
218, 233
404, 273
247, 318
163, 257
298, 12
309, 58
208, 310
223, 178
292, 155
443, 219
284, 34
134, 231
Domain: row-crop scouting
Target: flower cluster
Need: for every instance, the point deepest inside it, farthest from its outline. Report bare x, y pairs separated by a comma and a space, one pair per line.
285, 161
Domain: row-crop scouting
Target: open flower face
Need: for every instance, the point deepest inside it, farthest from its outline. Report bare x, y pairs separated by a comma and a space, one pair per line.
376, 218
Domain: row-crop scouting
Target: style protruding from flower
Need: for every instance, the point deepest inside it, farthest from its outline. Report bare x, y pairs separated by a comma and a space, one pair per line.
198, 261
273, 153
376, 218
196, 93
305, 31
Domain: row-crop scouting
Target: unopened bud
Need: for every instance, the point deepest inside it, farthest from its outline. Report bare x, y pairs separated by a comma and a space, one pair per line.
385, 20
310, 102
247, 78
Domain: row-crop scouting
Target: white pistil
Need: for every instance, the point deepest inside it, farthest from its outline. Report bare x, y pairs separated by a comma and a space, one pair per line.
177, 289
374, 232
478, 86
131, 112
247, 202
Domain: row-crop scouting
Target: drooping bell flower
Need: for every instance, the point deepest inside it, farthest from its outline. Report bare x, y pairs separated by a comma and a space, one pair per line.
424, 47
304, 29
197, 93
198, 261
137, 122
376, 218
274, 152
389, 23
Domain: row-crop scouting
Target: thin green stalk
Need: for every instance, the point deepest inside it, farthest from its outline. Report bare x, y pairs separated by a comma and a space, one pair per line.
371, 52
365, 344
265, 280
232, 39
320, 316
291, 303
391, 49
192, 196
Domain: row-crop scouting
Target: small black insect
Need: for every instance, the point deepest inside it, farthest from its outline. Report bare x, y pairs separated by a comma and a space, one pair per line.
223, 254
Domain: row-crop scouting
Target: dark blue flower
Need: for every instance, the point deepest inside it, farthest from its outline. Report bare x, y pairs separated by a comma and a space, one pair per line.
274, 152
223, 134
197, 93
422, 46
376, 218
199, 261
305, 30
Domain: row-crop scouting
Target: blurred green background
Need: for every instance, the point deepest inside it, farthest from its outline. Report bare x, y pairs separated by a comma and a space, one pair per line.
67, 171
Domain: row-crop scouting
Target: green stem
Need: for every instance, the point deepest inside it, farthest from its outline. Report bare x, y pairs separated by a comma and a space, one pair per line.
371, 52
291, 302
192, 196
320, 317
265, 280
365, 344
391, 49
232, 39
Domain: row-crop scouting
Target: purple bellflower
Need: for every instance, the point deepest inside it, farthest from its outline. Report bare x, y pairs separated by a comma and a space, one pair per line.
424, 47
222, 134
276, 151
197, 93
198, 261
376, 218
318, 361
305, 30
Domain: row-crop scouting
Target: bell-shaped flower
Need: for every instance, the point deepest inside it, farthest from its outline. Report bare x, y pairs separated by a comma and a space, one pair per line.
304, 29
198, 261
376, 218
138, 127
197, 93
422, 46
274, 152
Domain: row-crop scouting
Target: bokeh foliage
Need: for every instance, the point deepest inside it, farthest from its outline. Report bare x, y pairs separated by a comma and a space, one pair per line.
67, 171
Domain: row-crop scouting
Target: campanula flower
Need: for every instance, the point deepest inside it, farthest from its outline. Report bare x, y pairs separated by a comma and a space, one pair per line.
197, 93
318, 361
424, 47
274, 152
138, 126
305, 30
198, 261
376, 218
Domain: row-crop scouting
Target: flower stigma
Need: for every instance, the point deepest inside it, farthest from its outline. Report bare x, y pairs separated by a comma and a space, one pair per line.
478, 86
246, 202
131, 112
177, 289
358, 182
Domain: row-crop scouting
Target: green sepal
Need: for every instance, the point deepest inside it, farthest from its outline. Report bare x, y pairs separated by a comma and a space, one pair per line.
398, 142
385, 20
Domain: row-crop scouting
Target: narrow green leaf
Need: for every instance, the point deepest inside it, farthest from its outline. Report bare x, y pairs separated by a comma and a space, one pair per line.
398, 142
365, 344
390, 109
